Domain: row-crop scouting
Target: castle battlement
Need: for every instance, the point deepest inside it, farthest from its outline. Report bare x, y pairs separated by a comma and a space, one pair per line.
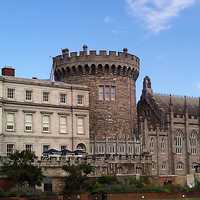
93, 62
67, 55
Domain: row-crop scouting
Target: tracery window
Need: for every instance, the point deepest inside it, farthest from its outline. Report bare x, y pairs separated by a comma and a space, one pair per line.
151, 145
179, 141
193, 142
164, 165
153, 165
163, 145
179, 165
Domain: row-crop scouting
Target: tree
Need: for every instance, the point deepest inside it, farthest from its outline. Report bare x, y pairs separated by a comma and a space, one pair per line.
20, 170
77, 179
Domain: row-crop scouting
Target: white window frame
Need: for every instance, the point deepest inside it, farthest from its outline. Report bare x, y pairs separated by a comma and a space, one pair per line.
25, 145
45, 145
49, 123
30, 123
83, 125
63, 98
66, 124
31, 95
13, 149
12, 123
43, 96
13, 94
80, 99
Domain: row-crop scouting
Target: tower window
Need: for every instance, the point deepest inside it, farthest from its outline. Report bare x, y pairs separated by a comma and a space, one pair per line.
107, 93
113, 93
101, 92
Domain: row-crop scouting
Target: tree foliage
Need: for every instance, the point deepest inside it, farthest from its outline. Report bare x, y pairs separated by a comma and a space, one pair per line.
20, 170
77, 179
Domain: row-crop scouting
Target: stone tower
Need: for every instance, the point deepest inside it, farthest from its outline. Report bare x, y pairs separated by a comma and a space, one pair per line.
111, 78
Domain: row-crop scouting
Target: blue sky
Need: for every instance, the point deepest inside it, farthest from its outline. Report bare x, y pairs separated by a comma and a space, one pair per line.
165, 34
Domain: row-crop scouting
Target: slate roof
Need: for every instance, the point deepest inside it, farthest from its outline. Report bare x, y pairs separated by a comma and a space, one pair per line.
178, 102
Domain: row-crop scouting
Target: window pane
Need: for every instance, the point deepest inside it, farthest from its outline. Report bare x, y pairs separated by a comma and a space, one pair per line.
10, 93
113, 93
29, 147
80, 99
28, 95
63, 124
45, 123
62, 98
107, 93
80, 125
46, 147
45, 96
101, 90
10, 149
10, 121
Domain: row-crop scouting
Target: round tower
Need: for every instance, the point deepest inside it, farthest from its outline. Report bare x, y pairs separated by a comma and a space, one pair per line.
111, 78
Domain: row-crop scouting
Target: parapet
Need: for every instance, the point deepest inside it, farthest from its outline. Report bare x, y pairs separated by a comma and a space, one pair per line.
90, 61
67, 56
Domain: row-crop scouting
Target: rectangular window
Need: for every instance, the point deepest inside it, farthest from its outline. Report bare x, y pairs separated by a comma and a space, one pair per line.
113, 93
107, 93
46, 147
80, 99
63, 147
29, 147
63, 124
63, 98
10, 121
45, 123
28, 122
10, 93
45, 96
28, 95
80, 125
101, 91
10, 149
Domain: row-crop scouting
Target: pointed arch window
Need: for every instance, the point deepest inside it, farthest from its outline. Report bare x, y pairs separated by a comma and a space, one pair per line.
152, 145
193, 142
179, 141
180, 166
163, 145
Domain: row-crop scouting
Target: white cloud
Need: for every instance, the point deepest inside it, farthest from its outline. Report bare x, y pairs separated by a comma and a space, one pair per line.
157, 14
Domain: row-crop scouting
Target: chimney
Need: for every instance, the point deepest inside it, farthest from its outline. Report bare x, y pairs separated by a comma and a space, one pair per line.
8, 71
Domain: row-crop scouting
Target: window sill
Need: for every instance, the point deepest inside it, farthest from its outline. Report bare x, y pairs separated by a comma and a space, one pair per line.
10, 130
45, 132
63, 133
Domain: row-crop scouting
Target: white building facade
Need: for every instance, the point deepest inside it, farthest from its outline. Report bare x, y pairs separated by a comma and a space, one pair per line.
38, 115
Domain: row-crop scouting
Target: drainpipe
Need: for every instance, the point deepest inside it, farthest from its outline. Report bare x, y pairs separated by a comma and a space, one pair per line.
72, 118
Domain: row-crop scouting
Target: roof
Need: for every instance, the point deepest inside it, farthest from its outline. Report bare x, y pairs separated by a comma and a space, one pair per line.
179, 103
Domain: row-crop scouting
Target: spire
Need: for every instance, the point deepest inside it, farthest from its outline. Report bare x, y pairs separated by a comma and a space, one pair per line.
147, 90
